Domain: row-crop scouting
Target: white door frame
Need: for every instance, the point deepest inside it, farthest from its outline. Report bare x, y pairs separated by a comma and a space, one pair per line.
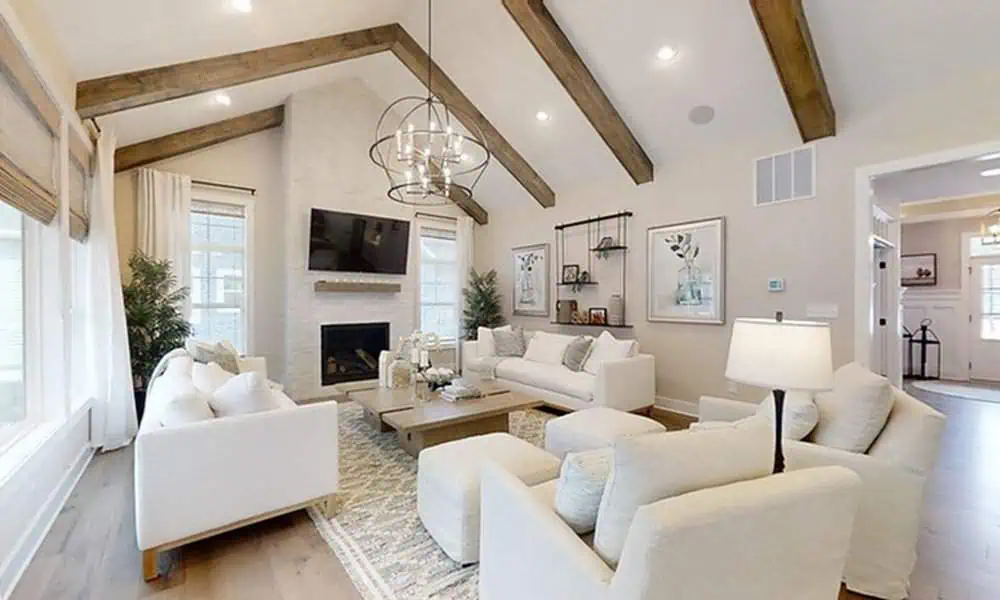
863, 234
968, 297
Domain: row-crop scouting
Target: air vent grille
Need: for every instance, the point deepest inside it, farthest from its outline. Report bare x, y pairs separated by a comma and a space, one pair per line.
785, 177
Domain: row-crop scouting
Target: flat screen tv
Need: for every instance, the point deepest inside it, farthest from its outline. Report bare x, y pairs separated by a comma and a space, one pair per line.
357, 243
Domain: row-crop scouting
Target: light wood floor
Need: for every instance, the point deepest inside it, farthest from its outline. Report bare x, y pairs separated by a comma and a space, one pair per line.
91, 554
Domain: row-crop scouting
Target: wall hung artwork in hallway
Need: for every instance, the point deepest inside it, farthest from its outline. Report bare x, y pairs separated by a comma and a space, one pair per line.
531, 280
686, 272
918, 269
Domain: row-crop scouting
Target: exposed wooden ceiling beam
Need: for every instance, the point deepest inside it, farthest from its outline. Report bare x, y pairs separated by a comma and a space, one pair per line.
175, 144
115, 93
558, 52
786, 33
141, 88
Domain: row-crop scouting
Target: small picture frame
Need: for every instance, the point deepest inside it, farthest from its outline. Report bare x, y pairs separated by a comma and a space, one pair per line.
570, 273
598, 316
918, 269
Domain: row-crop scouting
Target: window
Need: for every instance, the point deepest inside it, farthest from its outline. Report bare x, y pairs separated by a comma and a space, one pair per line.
439, 282
219, 297
12, 404
989, 277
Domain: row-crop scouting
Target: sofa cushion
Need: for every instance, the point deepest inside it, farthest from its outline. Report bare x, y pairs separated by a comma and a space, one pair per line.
205, 352
548, 348
651, 468
855, 411
606, 348
581, 484
188, 406
798, 418
557, 379
577, 353
593, 428
242, 395
509, 343
180, 366
484, 335
209, 377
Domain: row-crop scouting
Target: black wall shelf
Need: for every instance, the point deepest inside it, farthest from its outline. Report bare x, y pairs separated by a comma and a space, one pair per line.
590, 325
610, 230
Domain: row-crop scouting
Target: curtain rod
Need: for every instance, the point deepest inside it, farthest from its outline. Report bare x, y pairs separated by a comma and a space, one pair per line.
225, 186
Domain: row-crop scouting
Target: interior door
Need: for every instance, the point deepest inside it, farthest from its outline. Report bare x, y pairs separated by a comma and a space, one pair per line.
984, 329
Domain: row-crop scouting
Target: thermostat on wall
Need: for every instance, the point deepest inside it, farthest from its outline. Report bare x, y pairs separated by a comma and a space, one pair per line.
775, 284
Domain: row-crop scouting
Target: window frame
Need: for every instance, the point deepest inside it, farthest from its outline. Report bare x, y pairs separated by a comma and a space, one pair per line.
448, 225
200, 193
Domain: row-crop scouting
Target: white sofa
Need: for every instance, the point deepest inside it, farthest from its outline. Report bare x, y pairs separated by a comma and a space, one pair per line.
775, 538
628, 384
197, 480
893, 472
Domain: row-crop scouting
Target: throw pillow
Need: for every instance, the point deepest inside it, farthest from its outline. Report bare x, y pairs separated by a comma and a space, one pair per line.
484, 335
508, 343
606, 348
547, 348
853, 414
188, 406
209, 378
242, 395
798, 418
650, 468
577, 353
205, 352
180, 366
580, 487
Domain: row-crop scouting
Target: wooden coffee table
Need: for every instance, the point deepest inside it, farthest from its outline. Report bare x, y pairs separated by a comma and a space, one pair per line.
440, 421
381, 401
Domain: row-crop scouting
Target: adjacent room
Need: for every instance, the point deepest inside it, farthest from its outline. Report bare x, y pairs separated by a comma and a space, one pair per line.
499, 300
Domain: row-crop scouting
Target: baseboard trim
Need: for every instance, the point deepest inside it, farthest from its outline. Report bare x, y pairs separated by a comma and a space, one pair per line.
687, 408
31, 541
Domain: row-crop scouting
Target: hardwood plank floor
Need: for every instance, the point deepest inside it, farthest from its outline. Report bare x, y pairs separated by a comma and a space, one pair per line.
90, 554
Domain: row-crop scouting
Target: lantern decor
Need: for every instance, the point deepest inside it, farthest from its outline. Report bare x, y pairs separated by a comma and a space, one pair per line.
926, 342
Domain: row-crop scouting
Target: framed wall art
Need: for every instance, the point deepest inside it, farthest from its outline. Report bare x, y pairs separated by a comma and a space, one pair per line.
918, 269
531, 280
686, 272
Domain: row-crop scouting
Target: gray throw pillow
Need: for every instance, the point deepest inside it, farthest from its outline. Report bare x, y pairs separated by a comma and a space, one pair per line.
508, 343
204, 352
576, 353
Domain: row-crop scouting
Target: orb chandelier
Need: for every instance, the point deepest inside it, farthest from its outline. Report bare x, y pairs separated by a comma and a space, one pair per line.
426, 158
991, 230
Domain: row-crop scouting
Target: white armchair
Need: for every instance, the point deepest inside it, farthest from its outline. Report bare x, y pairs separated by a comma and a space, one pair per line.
778, 537
893, 474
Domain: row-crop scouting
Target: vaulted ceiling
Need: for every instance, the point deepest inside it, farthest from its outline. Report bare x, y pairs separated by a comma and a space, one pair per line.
870, 51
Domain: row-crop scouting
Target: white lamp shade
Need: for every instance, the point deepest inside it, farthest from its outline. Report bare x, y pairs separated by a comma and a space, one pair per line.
786, 355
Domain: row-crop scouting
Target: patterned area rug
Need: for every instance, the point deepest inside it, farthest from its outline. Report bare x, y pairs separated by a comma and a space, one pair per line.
377, 534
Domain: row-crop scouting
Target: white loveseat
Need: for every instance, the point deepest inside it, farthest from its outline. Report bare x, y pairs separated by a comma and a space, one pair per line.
196, 480
628, 384
893, 474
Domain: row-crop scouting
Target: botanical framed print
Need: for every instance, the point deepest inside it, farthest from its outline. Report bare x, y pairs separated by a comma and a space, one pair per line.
918, 269
531, 280
686, 272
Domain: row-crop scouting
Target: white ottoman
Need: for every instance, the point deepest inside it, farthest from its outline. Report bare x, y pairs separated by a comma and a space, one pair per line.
594, 428
448, 485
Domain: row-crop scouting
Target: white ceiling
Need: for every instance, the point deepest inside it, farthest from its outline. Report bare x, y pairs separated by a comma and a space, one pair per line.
869, 50
959, 179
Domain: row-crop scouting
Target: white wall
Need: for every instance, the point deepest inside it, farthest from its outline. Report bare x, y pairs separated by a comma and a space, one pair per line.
327, 134
809, 243
252, 161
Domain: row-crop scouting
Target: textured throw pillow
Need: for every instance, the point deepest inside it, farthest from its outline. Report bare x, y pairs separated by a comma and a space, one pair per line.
209, 378
484, 335
650, 468
581, 485
798, 418
242, 395
508, 343
853, 414
606, 348
203, 352
188, 406
547, 348
577, 352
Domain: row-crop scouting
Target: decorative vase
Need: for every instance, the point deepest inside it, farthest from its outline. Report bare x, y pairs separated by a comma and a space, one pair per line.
400, 373
616, 311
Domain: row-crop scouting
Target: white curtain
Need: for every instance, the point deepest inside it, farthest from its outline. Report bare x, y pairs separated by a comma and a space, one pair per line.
465, 246
163, 222
114, 423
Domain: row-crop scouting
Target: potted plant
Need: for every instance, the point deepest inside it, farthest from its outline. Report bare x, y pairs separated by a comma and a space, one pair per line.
154, 314
482, 303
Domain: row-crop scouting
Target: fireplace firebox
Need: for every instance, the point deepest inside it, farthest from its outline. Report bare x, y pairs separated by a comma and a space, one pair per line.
350, 352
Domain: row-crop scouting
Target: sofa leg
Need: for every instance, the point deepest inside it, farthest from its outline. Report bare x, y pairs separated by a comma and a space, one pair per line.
328, 506
150, 566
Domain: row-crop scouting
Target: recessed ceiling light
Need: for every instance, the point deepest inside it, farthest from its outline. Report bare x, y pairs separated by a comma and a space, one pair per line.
222, 99
243, 6
991, 173
542, 115
666, 54
993, 156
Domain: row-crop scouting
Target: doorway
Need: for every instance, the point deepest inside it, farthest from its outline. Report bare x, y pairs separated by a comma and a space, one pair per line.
983, 300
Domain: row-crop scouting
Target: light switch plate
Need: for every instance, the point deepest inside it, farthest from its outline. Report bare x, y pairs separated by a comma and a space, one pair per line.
775, 284
822, 310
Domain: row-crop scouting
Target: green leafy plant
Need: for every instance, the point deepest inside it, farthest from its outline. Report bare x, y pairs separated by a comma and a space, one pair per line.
154, 313
482, 303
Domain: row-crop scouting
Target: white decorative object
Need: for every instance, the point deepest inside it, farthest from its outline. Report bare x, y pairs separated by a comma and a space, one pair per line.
189, 406
209, 378
854, 412
595, 428
686, 272
607, 348
581, 484
616, 311
531, 280
243, 394
548, 348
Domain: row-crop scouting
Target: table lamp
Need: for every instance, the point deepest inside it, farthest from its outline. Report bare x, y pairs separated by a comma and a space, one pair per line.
780, 355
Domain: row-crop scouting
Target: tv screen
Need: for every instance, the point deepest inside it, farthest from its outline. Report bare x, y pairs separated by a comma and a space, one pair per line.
357, 243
